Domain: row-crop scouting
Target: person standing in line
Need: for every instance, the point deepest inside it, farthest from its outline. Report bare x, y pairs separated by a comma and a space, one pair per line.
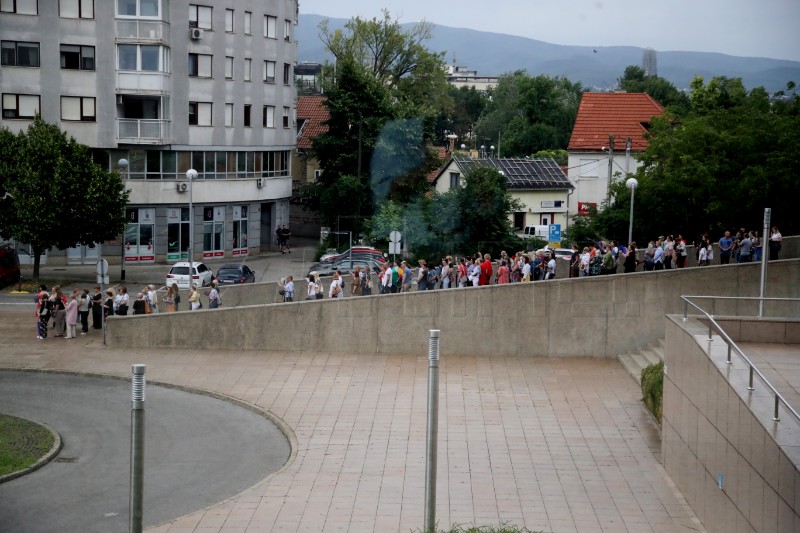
152, 298
59, 312
422, 276
745, 249
176, 297
486, 270
503, 273
213, 296
775, 239
526, 268
407, 276
169, 300
286, 285
311, 287
194, 297
630, 262
43, 312
551, 267
445, 273
658, 257
726, 245
138, 304
758, 245
335, 290
97, 309
71, 316
680, 252
83, 311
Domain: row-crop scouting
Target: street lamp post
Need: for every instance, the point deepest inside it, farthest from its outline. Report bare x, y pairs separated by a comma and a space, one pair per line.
631, 183
191, 175
123, 165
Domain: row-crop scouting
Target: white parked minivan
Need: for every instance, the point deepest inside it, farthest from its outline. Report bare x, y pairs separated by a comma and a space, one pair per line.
542, 232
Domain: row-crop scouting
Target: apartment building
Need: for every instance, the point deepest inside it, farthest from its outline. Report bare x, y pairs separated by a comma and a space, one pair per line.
165, 86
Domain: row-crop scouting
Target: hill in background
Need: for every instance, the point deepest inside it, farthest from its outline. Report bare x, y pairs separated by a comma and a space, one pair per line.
493, 54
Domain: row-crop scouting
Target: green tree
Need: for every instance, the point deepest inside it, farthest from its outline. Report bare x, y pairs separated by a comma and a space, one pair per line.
484, 205
528, 114
59, 196
715, 169
664, 92
461, 114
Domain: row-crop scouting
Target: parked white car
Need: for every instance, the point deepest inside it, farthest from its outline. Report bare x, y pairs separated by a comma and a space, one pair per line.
179, 273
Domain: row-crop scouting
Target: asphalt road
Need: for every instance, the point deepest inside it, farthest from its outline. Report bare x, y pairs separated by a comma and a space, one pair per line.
198, 451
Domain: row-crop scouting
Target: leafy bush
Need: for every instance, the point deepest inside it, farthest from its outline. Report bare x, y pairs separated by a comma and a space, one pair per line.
653, 388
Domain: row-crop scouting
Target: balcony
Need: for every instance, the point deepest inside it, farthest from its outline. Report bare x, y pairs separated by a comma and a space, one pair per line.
142, 82
138, 31
142, 131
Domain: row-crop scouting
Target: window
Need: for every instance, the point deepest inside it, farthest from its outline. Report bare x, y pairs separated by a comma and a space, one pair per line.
269, 71
20, 105
79, 108
148, 58
76, 9
199, 17
200, 113
248, 23
286, 111
270, 27
20, 7
229, 20
287, 73
269, 116
287, 30
247, 123
75, 57
19, 54
200, 65
248, 67
455, 180
228, 115
138, 8
228, 68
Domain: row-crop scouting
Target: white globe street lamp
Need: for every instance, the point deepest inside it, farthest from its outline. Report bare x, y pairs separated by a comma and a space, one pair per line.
631, 183
191, 175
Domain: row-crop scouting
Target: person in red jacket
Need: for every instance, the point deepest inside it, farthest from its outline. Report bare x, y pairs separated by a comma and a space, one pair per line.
486, 270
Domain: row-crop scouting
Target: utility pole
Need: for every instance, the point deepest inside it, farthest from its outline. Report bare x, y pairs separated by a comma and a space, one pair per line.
627, 157
610, 166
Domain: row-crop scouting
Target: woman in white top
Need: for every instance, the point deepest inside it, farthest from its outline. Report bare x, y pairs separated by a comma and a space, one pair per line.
194, 297
336, 287
445, 274
526, 269
311, 289
775, 239
551, 267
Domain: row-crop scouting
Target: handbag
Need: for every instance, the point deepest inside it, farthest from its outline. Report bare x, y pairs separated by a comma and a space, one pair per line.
281, 292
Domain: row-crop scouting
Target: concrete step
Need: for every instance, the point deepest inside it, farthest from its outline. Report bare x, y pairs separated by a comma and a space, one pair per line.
635, 360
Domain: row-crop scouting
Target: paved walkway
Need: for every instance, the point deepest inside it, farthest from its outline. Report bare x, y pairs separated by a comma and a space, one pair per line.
551, 444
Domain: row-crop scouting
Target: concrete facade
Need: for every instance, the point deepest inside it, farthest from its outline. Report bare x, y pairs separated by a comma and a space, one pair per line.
736, 466
168, 86
599, 316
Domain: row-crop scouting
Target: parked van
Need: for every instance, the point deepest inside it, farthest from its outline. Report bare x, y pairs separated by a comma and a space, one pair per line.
9, 266
530, 232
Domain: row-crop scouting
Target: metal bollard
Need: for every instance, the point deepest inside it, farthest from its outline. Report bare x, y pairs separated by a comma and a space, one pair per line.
433, 431
137, 447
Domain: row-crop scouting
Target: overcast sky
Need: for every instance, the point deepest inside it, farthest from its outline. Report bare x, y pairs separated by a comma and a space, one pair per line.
760, 28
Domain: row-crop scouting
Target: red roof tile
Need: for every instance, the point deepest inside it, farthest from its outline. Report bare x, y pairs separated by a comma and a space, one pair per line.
312, 111
620, 114
443, 154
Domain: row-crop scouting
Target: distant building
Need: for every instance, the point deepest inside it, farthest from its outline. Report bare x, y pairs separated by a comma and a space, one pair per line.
649, 62
539, 184
460, 76
307, 78
312, 114
601, 116
167, 86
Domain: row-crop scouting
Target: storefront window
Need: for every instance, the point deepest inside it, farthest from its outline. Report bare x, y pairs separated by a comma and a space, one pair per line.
213, 231
177, 233
139, 235
240, 230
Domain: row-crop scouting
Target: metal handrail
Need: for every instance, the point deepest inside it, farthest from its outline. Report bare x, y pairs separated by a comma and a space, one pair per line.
712, 324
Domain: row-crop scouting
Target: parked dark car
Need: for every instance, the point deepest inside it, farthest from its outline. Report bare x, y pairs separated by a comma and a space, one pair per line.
356, 256
326, 270
230, 274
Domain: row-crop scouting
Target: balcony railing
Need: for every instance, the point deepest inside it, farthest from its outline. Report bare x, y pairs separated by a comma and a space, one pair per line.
135, 81
143, 130
142, 30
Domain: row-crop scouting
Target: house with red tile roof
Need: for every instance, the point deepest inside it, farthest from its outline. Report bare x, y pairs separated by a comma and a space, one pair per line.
311, 117
608, 133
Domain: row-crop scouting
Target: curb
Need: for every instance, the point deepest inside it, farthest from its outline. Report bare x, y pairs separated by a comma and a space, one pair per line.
46, 458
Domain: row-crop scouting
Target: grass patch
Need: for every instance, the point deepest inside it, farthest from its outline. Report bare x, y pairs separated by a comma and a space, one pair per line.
502, 528
22, 443
653, 388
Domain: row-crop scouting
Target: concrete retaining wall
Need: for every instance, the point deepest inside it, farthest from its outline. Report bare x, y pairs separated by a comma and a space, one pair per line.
713, 426
598, 316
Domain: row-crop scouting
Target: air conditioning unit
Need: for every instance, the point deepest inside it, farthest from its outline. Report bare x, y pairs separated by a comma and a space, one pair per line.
195, 33
260, 183
183, 187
